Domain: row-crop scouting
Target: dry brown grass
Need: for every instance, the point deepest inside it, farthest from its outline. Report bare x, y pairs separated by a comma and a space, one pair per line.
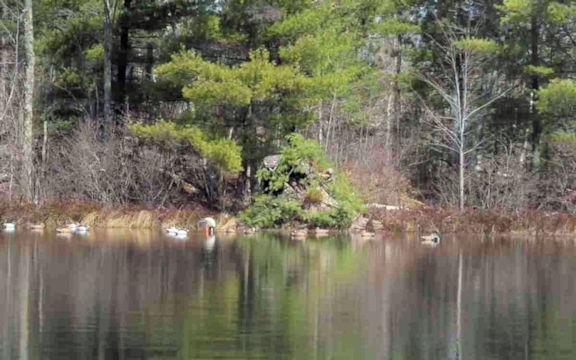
142, 219
226, 222
56, 213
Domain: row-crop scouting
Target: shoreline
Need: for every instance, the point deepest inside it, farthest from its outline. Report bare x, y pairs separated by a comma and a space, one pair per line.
485, 222
426, 220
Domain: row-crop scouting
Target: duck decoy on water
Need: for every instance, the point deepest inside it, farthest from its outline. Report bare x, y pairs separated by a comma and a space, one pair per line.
299, 234
9, 226
367, 235
65, 230
209, 225
82, 228
318, 232
182, 232
432, 239
36, 226
177, 232
172, 230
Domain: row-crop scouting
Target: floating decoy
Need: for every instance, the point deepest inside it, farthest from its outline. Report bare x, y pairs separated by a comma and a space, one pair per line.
64, 230
38, 226
172, 230
432, 239
182, 232
299, 234
318, 232
246, 230
209, 225
82, 228
180, 236
367, 234
9, 226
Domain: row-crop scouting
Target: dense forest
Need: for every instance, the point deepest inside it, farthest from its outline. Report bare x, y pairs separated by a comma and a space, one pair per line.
460, 103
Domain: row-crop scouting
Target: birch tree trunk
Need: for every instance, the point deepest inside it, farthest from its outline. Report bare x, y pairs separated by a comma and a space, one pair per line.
461, 185
396, 104
3, 69
27, 120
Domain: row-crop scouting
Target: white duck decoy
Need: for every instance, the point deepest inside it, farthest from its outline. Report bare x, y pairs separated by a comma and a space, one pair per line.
209, 224
171, 230
82, 228
72, 226
180, 237
177, 232
64, 230
182, 232
9, 226
432, 239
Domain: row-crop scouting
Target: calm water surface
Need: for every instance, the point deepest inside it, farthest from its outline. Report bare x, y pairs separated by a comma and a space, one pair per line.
141, 295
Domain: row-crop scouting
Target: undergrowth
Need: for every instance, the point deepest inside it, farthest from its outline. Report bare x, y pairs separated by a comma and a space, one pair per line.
476, 221
302, 165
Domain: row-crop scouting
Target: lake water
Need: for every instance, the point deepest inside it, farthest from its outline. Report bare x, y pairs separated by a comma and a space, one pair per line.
141, 295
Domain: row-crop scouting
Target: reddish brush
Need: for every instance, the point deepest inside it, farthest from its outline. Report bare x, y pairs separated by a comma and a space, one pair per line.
477, 221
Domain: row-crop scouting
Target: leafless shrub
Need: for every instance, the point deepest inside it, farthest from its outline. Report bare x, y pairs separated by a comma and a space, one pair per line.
116, 167
445, 186
501, 182
557, 183
11, 96
377, 176
107, 169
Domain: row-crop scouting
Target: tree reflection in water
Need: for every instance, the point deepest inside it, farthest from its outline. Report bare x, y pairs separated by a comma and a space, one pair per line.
124, 295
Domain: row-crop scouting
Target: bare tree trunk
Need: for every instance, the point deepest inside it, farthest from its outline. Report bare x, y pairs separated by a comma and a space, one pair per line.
123, 52
461, 166
3, 69
389, 118
107, 63
396, 107
27, 135
248, 185
534, 86
330, 118
320, 127
42, 174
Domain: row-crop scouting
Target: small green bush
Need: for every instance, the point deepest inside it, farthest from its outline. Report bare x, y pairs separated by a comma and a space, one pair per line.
268, 211
299, 152
340, 217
